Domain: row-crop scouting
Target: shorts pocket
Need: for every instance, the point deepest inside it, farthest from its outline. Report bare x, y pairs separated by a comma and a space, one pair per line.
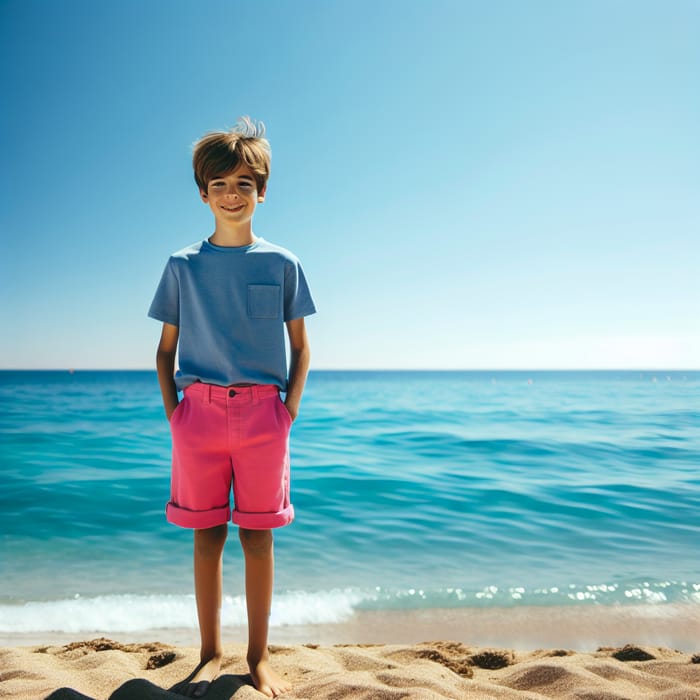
264, 300
178, 410
283, 409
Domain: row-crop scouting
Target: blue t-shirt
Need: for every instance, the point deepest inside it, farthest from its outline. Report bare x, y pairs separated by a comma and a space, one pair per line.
230, 306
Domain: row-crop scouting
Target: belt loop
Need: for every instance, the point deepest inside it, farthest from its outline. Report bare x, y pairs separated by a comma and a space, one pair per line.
256, 396
208, 393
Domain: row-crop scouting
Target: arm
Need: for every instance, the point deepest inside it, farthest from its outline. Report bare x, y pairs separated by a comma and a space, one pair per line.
165, 364
299, 366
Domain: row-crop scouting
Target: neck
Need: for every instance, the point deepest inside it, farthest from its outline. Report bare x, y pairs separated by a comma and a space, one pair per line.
232, 236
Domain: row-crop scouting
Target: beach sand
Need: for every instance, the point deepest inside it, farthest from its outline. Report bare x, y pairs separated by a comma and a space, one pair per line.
364, 668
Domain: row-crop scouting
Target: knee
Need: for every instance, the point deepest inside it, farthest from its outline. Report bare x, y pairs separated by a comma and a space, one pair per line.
209, 543
256, 543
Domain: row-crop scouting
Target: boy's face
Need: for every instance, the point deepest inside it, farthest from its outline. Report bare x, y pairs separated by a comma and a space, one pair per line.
233, 197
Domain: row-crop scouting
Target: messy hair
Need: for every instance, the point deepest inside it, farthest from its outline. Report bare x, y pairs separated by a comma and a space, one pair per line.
221, 152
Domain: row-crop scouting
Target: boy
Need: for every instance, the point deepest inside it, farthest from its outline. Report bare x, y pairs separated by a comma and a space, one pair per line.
224, 303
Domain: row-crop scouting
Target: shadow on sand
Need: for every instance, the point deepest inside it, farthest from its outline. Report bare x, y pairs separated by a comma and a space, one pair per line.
223, 688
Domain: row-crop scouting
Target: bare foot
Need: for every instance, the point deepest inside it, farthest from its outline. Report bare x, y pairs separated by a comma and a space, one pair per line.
265, 679
204, 674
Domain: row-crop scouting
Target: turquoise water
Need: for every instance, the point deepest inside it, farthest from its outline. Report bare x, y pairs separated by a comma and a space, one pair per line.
412, 489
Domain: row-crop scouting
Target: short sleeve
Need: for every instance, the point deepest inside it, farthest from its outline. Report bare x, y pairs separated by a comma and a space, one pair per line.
165, 306
298, 301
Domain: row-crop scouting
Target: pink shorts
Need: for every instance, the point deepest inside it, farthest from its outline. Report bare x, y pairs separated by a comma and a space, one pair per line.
224, 436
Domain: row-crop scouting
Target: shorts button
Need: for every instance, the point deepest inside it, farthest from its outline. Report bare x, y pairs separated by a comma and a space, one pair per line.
231, 393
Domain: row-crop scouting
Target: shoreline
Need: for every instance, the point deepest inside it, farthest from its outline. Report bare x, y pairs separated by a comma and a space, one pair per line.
538, 653
579, 628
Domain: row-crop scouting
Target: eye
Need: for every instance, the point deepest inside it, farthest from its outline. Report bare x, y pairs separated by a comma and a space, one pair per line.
216, 184
246, 185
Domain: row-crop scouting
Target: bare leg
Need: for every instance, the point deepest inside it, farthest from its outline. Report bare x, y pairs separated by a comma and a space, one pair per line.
208, 586
259, 575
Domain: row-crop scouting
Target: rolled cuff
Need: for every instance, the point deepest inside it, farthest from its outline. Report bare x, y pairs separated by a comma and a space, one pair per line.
197, 519
264, 521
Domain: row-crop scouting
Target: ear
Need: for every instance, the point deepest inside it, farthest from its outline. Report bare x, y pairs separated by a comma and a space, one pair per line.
204, 196
261, 193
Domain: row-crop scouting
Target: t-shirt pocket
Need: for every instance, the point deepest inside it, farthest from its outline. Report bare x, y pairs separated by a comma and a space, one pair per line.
264, 300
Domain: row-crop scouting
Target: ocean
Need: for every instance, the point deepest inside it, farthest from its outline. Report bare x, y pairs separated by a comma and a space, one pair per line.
413, 491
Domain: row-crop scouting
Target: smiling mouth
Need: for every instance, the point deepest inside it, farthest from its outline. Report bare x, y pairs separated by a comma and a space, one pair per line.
233, 209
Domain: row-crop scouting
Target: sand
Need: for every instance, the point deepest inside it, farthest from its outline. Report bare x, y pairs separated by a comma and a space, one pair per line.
103, 669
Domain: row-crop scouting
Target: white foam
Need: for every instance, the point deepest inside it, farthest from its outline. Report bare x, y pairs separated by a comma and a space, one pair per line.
133, 613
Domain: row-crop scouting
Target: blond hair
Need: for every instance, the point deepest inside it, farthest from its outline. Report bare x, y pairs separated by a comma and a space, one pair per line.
221, 152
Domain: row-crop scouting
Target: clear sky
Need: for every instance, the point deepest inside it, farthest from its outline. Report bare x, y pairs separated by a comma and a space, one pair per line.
503, 184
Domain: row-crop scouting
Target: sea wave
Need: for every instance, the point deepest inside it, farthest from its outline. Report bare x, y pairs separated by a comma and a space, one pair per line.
134, 613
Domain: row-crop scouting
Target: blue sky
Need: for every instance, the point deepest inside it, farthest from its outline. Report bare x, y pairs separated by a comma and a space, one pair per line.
468, 185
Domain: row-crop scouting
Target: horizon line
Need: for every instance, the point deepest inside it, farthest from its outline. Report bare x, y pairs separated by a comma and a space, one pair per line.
382, 369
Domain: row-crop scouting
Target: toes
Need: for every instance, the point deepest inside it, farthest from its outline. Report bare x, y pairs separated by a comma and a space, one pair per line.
277, 690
